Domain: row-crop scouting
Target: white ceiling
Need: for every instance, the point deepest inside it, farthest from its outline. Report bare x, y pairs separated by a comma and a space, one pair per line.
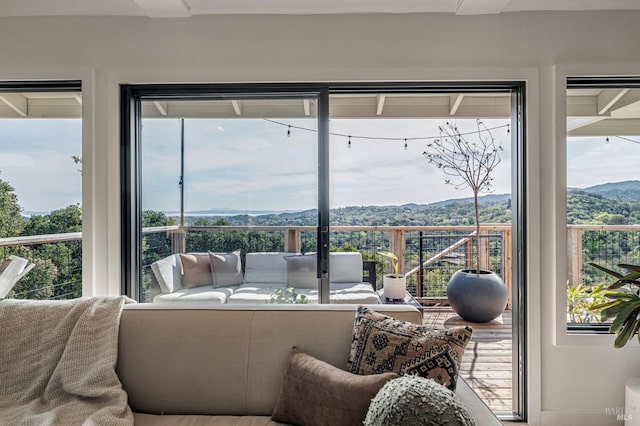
186, 8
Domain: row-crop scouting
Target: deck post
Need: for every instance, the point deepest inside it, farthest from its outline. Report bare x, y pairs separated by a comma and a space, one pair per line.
178, 240
397, 242
292, 240
574, 255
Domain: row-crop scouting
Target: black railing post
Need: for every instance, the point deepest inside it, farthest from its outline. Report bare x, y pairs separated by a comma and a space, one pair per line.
420, 290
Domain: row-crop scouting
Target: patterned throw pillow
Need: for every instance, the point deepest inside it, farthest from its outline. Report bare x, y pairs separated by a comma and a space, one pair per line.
381, 343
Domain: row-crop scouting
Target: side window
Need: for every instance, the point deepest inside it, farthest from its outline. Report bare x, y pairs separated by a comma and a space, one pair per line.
41, 190
603, 190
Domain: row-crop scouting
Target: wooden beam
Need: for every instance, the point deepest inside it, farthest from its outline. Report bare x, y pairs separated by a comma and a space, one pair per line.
237, 108
454, 103
576, 124
380, 104
627, 105
608, 97
16, 102
162, 109
78, 98
307, 108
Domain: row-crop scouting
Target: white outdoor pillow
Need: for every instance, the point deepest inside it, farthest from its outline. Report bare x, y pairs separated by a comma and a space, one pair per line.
168, 272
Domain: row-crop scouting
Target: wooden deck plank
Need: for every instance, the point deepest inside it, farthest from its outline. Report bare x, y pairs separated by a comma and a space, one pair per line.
487, 362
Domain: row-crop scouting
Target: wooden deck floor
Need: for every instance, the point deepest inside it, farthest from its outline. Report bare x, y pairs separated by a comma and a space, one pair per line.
487, 361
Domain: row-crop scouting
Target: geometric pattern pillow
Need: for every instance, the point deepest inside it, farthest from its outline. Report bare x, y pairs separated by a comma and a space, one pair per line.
383, 344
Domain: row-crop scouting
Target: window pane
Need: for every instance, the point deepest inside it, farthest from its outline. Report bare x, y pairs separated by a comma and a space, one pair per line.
242, 179
40, 195
603, 193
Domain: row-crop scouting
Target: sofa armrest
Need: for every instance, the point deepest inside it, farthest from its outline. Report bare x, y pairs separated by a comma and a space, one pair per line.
478, 409
369, 273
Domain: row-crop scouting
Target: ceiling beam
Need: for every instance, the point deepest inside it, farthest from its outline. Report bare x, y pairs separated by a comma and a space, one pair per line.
78, 98
307, 107
480, 7
16, 102
576, 124
161, 107
237, 108
164, 8
454, 103
380, 104
608, 97
627, 104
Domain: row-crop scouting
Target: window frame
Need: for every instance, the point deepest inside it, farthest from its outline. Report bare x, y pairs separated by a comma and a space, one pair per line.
130, 94
590, 82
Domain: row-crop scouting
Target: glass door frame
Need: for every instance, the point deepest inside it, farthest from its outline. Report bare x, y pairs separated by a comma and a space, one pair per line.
130, 156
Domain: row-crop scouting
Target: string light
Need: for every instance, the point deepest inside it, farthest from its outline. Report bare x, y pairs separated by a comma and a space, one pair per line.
508, 129
349, 143
382, 138
607, 140
627, 139
406, 146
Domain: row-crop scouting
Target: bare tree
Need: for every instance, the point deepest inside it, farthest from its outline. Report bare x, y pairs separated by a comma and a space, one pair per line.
468, 159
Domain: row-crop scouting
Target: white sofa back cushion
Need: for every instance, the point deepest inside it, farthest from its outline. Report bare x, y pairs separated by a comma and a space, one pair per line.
302, 271
345, 267
168, 272
266, 268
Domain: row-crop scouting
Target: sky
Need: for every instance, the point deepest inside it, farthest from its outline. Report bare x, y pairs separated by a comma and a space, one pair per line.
251, 164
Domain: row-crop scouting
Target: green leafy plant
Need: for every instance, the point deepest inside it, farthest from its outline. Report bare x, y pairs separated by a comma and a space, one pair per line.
395, 263
623, 305
581, 300
287, 295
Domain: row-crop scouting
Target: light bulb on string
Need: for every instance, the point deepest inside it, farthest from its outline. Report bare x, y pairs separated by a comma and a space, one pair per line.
289, 132
349, 143
508, 129
406, 146
607, 140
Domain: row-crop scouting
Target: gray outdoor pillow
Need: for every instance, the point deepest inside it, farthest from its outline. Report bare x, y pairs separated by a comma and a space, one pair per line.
301, 271
226, 269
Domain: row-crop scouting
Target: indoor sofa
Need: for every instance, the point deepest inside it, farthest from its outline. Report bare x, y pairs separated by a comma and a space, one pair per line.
224, 365
226, 281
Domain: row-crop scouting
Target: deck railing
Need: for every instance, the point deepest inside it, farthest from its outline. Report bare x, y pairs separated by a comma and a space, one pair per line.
428, 254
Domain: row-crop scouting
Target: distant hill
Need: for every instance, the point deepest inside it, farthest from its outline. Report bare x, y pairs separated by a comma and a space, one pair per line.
483, 200
628, 190
609, 203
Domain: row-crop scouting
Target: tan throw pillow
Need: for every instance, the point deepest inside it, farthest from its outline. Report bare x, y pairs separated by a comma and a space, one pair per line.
196, 270
301, 271
226, 269
315, 393
381, 343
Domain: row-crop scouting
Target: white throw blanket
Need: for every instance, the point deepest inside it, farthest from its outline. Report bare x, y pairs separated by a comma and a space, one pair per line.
57, 363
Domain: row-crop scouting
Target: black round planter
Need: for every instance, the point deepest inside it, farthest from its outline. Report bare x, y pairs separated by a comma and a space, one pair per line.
477, 297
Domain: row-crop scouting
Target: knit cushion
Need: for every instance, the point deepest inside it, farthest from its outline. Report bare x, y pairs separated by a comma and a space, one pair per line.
416, 401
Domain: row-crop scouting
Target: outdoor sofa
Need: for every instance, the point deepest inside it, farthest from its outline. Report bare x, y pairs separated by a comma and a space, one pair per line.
219, 278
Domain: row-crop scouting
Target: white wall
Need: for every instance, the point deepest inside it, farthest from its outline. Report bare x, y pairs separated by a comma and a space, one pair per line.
571, 380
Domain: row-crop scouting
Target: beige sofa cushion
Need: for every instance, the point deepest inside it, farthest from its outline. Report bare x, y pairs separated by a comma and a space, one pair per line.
189, 420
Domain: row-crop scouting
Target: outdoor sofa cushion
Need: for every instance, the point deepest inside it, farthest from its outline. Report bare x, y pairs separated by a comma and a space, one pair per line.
197, 296
226, 269
266, 268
